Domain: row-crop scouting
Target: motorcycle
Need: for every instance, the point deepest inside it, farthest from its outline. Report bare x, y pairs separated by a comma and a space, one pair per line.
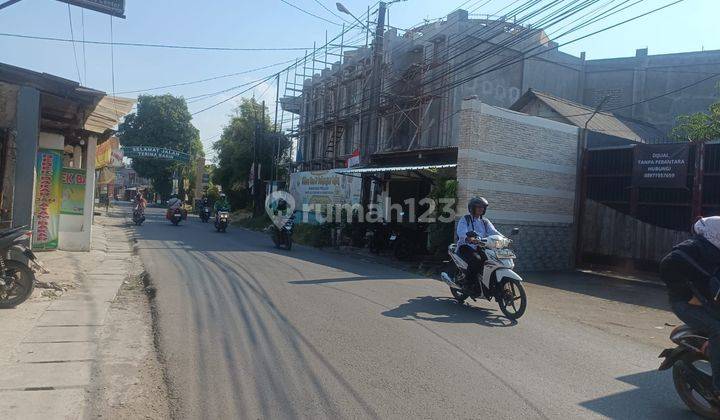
498, 282
221, 221
17, 278
176, 216
408, 239
282, 237
138, 216
205, 214
691, 371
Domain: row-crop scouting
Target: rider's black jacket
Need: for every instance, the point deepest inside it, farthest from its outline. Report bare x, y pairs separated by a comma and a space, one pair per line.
678, 273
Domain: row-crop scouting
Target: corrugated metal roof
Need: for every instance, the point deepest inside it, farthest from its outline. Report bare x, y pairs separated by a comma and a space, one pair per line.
393, 168
603, 122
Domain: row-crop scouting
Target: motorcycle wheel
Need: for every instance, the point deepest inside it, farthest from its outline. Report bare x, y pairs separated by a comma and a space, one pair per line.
512, 292
24, 284
687, 393
175, 222
288, 243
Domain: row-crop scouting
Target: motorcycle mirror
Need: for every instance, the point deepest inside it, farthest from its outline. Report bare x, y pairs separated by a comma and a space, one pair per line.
515, 231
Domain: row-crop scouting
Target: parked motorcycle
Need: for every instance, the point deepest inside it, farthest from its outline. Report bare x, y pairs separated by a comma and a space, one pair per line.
408, 239
205, 214
17, 278
221, 221
282, 237
691, 371
138, 216
498, 282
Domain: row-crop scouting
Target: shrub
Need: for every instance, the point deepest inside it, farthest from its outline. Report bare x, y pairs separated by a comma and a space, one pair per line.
313, 235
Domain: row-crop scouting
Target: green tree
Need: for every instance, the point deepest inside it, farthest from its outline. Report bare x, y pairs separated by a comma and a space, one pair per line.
699, 127
162, 121
235, 151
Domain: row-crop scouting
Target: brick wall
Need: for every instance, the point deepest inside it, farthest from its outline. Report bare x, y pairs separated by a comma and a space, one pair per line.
526, 167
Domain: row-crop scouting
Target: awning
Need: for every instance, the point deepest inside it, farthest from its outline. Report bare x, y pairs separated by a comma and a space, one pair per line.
107, 113
367, 170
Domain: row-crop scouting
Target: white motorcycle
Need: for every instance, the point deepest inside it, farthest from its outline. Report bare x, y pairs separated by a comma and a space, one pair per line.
498, 282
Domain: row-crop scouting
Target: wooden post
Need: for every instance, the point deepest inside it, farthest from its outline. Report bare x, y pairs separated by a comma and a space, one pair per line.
698, 181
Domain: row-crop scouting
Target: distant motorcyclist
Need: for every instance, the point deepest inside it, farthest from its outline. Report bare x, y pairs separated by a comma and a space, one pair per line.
174, 203
140, 201
470, 229
691, 272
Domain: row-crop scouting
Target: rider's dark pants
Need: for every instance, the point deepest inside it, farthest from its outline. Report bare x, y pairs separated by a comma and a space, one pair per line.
475, 261
701, 318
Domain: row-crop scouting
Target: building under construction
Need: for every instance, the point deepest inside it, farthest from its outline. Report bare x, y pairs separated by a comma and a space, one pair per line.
428, 71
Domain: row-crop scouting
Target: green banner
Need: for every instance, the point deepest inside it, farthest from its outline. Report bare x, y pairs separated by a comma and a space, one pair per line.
155, 153
73, 191
47, 199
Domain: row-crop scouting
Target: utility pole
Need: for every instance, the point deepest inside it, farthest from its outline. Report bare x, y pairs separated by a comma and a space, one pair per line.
255, 160
375, 84
276, 146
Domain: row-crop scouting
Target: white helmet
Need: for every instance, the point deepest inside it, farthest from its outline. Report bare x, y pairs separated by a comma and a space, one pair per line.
709, 228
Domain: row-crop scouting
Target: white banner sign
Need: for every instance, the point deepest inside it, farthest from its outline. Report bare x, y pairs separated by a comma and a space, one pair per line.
324, 187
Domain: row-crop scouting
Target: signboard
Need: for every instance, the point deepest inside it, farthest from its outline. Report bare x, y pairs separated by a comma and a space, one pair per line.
109, 7
46, 219
324, 187
106, 153
155, 153
660, 165
73, 191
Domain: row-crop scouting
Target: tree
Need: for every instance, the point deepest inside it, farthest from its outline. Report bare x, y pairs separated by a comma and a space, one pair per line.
699, 127
235, 151
162, 121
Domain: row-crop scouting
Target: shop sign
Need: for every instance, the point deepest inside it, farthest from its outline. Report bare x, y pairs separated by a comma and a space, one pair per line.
46, 219
73, 191
109, 7
324, 187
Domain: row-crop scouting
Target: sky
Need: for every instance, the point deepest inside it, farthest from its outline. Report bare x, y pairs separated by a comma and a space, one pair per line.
690, 25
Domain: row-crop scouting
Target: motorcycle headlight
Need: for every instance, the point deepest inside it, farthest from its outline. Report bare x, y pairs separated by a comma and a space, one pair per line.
497, 242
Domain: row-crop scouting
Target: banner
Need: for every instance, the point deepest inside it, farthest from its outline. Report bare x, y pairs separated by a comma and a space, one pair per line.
324, 187
660, 165
105, 151
155, 153
46, 219
73, 191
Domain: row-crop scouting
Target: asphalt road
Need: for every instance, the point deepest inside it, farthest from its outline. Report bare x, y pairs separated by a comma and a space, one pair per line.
248, 331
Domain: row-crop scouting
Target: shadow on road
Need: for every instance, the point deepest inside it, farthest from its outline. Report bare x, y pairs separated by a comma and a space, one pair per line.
604, 287
642, 401
440, 309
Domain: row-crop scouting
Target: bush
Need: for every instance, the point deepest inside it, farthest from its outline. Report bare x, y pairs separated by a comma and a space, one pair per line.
255, 223
313, 235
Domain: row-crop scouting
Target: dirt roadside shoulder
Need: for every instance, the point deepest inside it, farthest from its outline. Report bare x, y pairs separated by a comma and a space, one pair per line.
128, 379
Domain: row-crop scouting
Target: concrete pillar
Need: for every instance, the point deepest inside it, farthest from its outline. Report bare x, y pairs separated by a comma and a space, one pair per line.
26, 144
89, 206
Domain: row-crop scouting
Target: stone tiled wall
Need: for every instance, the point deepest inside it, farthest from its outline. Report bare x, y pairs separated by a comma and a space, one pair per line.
526, 167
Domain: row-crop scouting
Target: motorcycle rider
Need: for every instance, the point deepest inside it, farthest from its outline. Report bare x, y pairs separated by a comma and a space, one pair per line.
173, 203
470, 229
691, 272
140, 201
221, 204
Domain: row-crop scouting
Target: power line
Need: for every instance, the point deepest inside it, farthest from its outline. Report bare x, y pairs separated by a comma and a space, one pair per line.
310, 13
233, 97
82, 19
147, 45
72, 37
207, 79
330, 11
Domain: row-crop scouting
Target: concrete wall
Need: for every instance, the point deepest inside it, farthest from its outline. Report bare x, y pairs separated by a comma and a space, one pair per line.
634, 79
526, 167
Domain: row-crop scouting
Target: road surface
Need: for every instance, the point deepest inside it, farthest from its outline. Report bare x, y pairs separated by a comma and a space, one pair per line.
248, 331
